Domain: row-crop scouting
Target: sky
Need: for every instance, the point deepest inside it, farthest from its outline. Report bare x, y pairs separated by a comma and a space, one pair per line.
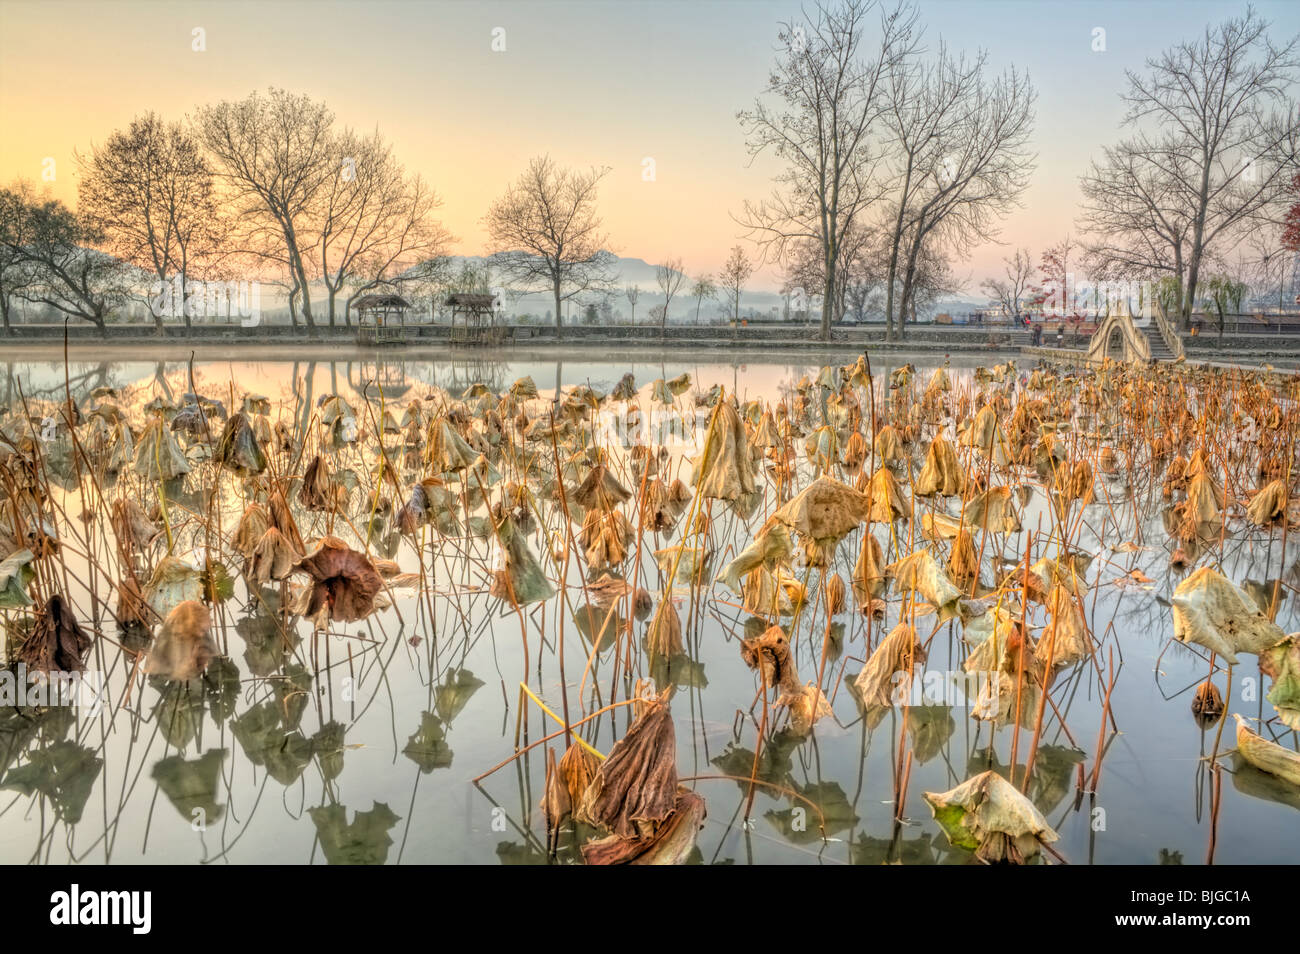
591, 83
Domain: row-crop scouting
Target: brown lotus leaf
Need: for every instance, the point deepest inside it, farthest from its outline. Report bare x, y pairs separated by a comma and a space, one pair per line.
555, 802
253, 523
664, 635
762, 596
604, 537
131, 524
132, 607
1065, 639
671, 844
578, 767
889, 443
607, 590
282, 520
964, 561
344, 581
770, 654
855, 452
836, 595
273, 558
184, 645
56, 643
1268, 506
869, 580
317, 492
823, 513
887, 502
942, 473
993, 510
725, 469
1075, 482
635, 788
890, 666
600, 491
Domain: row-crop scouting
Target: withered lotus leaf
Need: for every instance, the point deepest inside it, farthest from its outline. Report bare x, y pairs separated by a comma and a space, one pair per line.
986, 814
1281, 663
57, 643
1212, 611
343, 580
725, 468
273, 558
664, 635
600, 490
869, 578
823, 513
899, 652
770, 547
920, 571
317, 492
942, 473
635, 788
184, 645
238, 450
770, 654
252, 525
671, 843
1269, 505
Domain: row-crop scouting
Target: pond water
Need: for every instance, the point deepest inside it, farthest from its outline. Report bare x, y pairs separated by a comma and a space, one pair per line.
363, 742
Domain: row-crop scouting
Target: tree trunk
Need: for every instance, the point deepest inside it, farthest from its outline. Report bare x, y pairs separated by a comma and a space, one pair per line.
559, 319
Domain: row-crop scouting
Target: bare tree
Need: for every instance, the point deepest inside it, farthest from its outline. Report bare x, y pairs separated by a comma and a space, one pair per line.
983, 170
1217, 139
373, 223
703, 287
1010, 292
632, 293
64, 268
928, 106
545, 231
825, 93
669, 277
277, 153
735, 273
151, 193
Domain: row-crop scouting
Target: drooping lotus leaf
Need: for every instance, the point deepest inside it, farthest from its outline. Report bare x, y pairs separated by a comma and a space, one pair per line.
889, 669
517, 577
238, 450
682, 565
157, 455
184, 645
993, 510
770, 654
725, 468
919, 571
635, 788
448, 451
672, 843
1213, 612
942, 473
15, 573
886, 495
769, 548
822, 514
57, 643
1281, 663
363, 841
869, 579
1268, 506
1065, 639
664, 634
344, 581
191, 784
173, 582
986, 814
